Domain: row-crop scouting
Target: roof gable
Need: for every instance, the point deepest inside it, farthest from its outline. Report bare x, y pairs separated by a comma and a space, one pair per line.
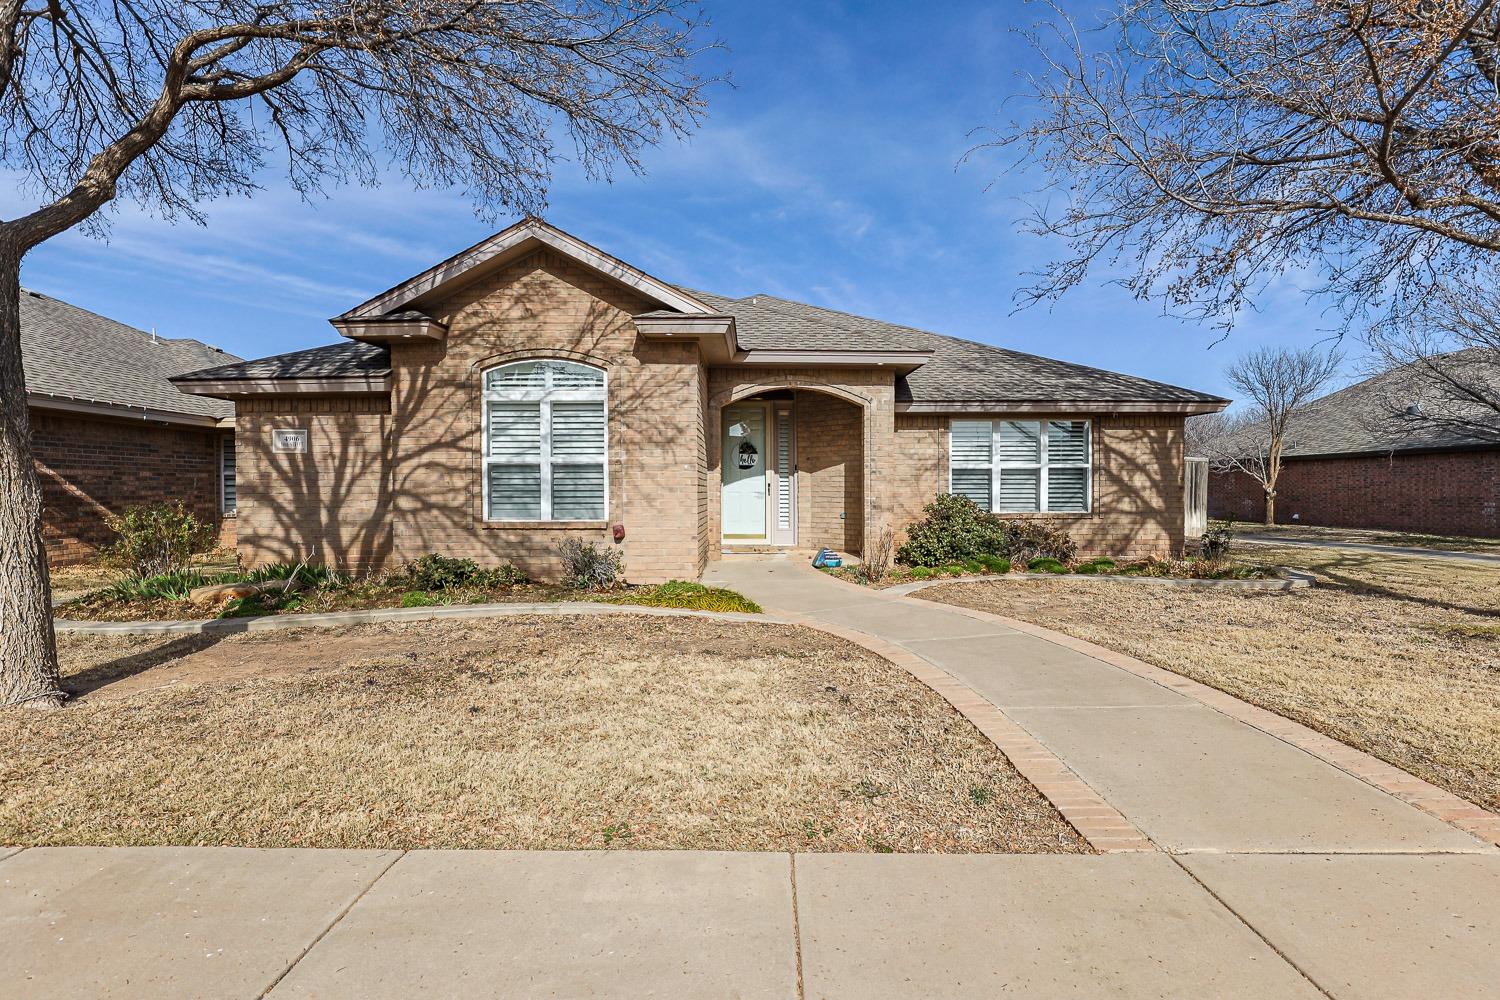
508, 245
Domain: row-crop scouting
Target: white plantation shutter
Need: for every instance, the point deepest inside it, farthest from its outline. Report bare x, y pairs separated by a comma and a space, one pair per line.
1067, 442
971, 443
546, 430
1020, 490
1020, 443
1022, 466
516, 431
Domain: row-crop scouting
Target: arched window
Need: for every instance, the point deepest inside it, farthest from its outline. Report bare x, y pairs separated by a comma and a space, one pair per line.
545, 428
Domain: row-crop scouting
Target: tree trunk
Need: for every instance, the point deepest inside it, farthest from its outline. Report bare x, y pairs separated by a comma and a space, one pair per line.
28, 648
1270, 508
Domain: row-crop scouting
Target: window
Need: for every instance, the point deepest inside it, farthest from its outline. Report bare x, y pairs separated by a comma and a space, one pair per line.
1022, 466
544, 442
227, 492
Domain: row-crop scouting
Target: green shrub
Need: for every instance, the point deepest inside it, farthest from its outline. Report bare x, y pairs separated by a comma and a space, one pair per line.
922, 573
995, 564
156, 539
952, 569
1031, 538
1214, 546
588, 567
974, 566
438, 572
952, 529
417, 599
1046, 564
1095, 566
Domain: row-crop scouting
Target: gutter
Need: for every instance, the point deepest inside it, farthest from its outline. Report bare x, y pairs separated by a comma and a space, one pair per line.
1063, 406
60, 403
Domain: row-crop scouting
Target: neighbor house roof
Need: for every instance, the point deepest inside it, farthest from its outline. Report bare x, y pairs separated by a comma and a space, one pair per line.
79, 359
1368, 417
934, 373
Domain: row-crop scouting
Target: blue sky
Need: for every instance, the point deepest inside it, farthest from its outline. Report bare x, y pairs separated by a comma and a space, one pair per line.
828, 172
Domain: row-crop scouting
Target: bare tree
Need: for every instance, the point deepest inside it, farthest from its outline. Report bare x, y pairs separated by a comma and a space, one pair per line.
171, 102
1438, 374
1276, 384
1208, 146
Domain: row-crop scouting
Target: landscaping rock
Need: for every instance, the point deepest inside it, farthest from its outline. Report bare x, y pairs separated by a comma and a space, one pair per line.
223, 593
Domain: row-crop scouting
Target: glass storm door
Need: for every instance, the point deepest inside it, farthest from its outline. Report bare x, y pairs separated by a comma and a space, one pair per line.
744, 465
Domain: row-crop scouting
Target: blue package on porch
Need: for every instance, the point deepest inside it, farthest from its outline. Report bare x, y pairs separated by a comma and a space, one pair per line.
827, 558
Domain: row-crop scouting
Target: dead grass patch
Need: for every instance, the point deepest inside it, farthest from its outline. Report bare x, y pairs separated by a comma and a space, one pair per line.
535, 732
1373, 536
1395, 656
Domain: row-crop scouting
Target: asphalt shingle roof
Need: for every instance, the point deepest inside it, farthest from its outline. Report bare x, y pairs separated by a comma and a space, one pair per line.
70, 352
1366, 417
346, 358
959, 371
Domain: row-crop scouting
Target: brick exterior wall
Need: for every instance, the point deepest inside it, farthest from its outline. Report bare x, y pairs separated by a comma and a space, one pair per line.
1138, 502
91, 467
830, 472
1442, 493
408, 482
390, 479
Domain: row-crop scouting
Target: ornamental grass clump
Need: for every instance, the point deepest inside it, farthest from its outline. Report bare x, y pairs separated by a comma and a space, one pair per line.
587, 566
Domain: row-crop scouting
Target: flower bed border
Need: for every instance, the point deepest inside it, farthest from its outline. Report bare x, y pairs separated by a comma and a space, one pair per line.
274, 623
1292, 580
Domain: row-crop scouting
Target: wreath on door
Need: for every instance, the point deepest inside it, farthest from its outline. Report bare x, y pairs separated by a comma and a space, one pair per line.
748, 456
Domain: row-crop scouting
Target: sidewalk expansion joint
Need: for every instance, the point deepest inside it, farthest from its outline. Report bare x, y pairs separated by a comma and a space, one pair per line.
338, 918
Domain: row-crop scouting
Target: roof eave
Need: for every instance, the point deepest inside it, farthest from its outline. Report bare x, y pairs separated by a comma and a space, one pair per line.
235, 388
903, 362
1186, 408
385, 331
59, 403
714, 334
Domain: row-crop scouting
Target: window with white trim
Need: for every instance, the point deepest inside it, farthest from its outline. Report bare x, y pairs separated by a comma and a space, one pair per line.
545, 431
1022, 466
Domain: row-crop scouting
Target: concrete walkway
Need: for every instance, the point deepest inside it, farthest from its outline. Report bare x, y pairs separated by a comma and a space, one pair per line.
1410, 551
174, 922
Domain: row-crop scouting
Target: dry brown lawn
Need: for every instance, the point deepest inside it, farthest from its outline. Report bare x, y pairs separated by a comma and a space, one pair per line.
536, 732
1399, 657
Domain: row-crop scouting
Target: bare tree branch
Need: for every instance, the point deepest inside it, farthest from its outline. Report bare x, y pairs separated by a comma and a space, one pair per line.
1209, 146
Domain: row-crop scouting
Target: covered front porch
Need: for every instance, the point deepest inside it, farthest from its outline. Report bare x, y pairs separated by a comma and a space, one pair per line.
787, 469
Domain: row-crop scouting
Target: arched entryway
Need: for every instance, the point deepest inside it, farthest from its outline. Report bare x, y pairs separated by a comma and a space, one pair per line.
789, 461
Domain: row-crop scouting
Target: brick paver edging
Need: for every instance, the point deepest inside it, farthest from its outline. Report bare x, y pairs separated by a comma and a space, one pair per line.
1294, 580
1429, 798
1101, 824
273, 623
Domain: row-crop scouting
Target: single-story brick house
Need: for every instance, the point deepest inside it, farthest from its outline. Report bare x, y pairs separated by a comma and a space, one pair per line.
534, 387
1354, 460
109, 431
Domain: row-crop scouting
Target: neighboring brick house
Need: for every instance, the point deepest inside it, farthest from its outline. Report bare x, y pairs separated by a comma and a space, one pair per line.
1353, 459
108, 431
533, 388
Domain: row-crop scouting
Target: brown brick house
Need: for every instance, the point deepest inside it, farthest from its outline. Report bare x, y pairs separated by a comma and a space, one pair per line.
533, 387
1355, 459
109, 431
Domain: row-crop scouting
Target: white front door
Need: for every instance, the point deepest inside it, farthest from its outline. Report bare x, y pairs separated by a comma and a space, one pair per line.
744, 464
